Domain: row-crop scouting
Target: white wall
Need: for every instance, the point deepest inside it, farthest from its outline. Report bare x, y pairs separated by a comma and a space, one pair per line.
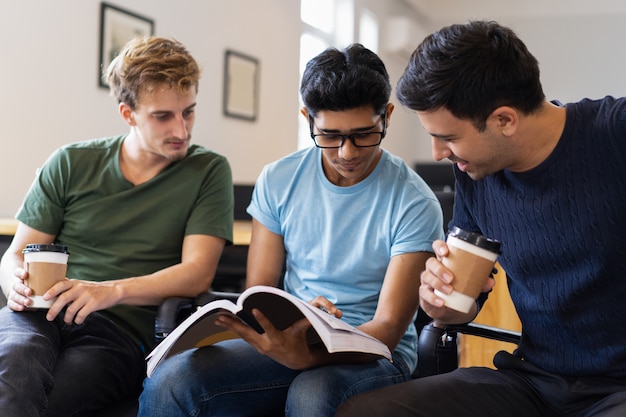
50, 94
577, 42
579, 56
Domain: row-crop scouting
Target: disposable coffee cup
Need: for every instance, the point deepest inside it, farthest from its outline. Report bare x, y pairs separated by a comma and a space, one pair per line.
46, 265
471, 259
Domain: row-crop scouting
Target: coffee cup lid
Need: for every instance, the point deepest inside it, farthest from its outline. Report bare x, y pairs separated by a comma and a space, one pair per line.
476, 239
37, 247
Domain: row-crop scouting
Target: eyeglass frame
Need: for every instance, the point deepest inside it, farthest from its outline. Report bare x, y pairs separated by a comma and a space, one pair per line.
350, 136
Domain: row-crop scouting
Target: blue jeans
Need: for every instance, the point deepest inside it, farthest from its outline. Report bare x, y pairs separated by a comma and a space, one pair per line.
57, 370
233, 379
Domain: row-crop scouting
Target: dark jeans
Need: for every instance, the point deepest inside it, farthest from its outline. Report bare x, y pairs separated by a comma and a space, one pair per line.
55, 370
516, 389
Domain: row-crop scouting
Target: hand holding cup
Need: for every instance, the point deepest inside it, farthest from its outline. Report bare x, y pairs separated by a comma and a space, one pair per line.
46, 265
471, 259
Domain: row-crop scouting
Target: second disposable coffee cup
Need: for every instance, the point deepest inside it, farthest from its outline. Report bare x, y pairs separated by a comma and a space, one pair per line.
46, 265
471, 259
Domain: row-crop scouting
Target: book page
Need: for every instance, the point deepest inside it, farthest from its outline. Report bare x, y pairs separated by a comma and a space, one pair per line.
283, 309
199, 329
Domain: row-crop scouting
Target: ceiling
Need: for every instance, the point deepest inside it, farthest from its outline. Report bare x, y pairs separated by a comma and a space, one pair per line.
467, 9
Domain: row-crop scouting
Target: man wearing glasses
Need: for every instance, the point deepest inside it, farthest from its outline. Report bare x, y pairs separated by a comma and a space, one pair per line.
353, 226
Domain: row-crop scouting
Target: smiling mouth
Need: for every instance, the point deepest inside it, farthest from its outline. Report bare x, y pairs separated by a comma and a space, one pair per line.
461, 164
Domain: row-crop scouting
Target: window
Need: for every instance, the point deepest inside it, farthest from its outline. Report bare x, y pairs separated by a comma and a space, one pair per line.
368, 30
325, 23
319, 14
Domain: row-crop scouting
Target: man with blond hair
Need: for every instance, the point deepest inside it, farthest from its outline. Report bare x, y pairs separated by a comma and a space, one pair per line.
145, 216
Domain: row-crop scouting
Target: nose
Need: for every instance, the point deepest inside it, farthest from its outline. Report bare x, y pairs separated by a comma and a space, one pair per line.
348, 149
439, 149
180, 129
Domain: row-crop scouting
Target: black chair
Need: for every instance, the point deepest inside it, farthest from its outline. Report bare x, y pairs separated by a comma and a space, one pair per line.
446, 199
438, 175
243, 195
438, 347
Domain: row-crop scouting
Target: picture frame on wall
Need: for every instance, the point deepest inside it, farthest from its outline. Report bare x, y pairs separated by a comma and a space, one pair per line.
241, 78
117, 27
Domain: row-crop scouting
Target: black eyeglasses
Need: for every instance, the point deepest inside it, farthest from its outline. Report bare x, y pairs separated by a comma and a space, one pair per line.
360, 140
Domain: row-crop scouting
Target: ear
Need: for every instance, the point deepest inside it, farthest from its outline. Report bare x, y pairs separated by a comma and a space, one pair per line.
388, 112
506, 120
305, 113
126, 113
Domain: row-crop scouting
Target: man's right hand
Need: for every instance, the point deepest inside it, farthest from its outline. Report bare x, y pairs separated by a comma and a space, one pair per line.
437, 277
19, 293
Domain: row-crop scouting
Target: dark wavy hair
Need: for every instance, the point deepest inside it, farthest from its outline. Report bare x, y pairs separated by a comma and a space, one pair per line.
341, 80
471, 69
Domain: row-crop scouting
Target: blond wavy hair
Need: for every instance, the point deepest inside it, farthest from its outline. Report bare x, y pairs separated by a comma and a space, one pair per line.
147, 62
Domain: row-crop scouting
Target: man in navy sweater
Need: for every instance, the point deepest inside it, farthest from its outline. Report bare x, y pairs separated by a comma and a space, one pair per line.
547, 180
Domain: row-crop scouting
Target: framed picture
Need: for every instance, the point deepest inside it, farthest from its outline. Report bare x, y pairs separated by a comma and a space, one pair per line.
241, 76
117, 27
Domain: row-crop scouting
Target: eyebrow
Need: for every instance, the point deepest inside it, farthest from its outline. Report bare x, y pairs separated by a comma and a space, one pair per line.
442, 136
164, 112
339, 132
355, 130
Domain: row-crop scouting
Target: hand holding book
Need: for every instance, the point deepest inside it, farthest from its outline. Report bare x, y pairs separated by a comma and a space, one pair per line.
296, 347
281, 309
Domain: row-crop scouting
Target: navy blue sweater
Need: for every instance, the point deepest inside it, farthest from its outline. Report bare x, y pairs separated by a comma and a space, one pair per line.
563, 228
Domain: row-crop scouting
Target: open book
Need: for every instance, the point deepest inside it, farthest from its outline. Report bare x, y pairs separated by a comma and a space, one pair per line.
281, 308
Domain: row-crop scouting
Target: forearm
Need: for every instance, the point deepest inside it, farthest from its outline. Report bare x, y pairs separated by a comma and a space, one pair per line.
398, 300
389, 332
181, 280
192, 276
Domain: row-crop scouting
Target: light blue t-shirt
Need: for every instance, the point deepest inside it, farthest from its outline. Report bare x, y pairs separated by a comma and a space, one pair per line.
339, 240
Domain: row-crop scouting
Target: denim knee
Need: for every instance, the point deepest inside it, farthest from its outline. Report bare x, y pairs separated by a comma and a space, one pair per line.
319, 391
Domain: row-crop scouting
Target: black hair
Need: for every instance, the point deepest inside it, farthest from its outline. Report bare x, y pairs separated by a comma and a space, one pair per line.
341, 80
471, 69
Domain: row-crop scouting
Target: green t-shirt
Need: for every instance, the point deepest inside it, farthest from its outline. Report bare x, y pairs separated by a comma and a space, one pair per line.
114, 229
